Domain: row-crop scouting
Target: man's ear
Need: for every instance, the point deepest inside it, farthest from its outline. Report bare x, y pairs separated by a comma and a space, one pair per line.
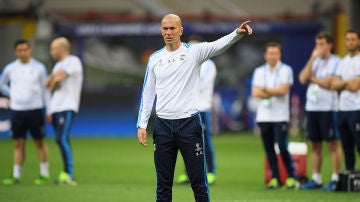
182, 30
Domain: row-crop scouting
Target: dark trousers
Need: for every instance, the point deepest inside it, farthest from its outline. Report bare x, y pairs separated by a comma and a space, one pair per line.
272, 132
184, 135
62, 122
209, 147
349, 127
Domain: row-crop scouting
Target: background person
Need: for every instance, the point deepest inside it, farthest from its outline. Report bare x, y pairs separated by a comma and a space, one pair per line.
321, 110
23, 80
271, 83
347, 81
65, 83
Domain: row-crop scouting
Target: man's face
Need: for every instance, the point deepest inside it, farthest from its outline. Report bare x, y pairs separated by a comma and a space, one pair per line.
23, 52
323, 46
171, 30
272, 55
352, 41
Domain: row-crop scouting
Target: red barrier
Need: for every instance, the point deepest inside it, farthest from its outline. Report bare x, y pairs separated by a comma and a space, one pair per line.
298, 153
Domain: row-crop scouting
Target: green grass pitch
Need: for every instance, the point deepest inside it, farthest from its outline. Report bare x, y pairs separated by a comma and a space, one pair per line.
119, 169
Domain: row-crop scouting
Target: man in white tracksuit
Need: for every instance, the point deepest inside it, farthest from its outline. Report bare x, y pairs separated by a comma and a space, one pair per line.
172, 76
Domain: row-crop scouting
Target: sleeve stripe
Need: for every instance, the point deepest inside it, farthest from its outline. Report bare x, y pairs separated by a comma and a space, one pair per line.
142, 92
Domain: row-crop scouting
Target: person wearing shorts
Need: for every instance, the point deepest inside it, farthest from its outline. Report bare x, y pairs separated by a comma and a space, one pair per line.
23, 80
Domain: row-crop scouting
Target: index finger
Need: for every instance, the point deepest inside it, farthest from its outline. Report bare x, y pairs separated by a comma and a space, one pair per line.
249, 29
245, 23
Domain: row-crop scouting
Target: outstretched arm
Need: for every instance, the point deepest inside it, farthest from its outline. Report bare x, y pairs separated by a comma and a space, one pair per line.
208, 50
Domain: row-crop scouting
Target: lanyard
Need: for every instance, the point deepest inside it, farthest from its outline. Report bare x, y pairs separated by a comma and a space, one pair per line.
277, 73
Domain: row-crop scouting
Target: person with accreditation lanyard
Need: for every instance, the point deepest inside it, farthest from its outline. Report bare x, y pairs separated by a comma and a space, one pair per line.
271, 83
321, 110
172, 76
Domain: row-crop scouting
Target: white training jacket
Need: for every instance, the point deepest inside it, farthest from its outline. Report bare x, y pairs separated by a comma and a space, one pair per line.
274, 108
173, 78
349, 68
318, 98
25, 85
207, 82
67, 95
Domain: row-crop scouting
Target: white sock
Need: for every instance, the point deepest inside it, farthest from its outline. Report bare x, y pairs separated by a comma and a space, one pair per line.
335, 177
317, 178
17, 171
44, 169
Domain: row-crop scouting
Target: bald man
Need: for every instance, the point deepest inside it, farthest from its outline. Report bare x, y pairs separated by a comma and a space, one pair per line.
172, 76
65, 84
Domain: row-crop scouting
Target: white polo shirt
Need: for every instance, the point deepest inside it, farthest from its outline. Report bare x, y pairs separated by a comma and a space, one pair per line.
349, 68
173, 78
318, 98
207, 82
25, 85
275, 108
67, 95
